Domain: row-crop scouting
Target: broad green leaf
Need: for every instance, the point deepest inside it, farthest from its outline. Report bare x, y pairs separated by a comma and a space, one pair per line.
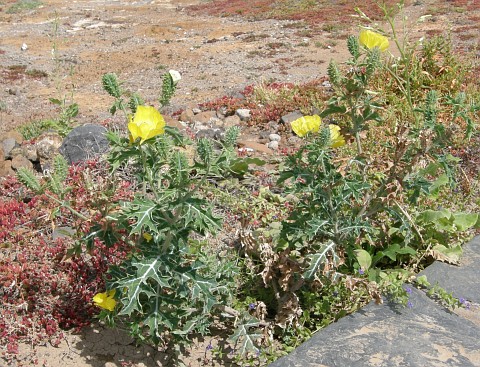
394, 249
449, 255
422, 281
464, 221
364, 259
55, 101
441, 181
441, 219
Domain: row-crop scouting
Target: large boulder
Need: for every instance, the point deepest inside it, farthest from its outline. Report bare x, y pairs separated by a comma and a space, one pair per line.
84, 142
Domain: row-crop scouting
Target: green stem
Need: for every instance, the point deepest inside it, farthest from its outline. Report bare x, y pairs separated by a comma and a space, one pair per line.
65, 205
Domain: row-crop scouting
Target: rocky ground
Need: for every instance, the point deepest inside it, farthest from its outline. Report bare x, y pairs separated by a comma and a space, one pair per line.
61, 50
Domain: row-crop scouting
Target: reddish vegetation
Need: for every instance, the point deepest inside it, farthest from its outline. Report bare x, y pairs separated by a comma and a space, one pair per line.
294, 97
42, 289
324, 11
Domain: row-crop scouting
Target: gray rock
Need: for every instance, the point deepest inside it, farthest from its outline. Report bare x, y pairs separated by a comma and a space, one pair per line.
84, 142
19, 161
294, 140
47, 145
462, 280
273, 126
196, 110
231, 121
221, 112
274, 137
273, 145
289, 117
30, 152
391, 336
243, 113
209, 134
7, 146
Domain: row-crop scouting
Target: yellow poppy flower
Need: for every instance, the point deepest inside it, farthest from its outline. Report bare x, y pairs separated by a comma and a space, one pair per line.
146, 124
148, 237
336, 139
105, 300
372, 39
306, 124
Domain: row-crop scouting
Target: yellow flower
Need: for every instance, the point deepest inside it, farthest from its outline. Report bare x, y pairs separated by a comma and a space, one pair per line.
372, 39
336, 139
148, 237
306, 124
146, 124
105, 300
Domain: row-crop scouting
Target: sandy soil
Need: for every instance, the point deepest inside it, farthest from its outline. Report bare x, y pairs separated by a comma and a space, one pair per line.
140, 40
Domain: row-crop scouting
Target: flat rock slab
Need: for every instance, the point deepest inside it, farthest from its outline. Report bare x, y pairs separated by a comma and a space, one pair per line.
425, 335
463, 280
387, 335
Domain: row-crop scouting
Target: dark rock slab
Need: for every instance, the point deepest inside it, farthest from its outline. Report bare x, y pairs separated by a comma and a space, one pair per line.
290, 117
84, 142
462, 280
387, 335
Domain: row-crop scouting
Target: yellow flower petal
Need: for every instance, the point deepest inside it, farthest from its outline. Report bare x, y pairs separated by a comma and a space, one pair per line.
336, 139
148, 237
306, 124
105, 300
372, 39
146, 124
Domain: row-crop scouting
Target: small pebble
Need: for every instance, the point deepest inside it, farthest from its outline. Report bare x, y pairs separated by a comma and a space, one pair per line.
274, 137
273, 145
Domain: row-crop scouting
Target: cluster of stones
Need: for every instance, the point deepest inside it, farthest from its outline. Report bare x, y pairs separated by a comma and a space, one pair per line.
212, 124
16, 153
82, 143
85, 141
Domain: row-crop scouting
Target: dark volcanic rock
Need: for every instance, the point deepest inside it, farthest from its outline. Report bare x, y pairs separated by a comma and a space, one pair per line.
84, 142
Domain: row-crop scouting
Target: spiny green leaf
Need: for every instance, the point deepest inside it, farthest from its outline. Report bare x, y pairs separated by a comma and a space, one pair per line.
317, 259
243, 338
201, 218
28, 178
141, 210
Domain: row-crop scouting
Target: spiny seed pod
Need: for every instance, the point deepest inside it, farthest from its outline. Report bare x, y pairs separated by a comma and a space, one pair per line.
353, 47
334, 73
205, 151
179, 167
430, 110
164, 146
135, 100
111, 85
168, 89
373, 61
231, 136
324, 137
